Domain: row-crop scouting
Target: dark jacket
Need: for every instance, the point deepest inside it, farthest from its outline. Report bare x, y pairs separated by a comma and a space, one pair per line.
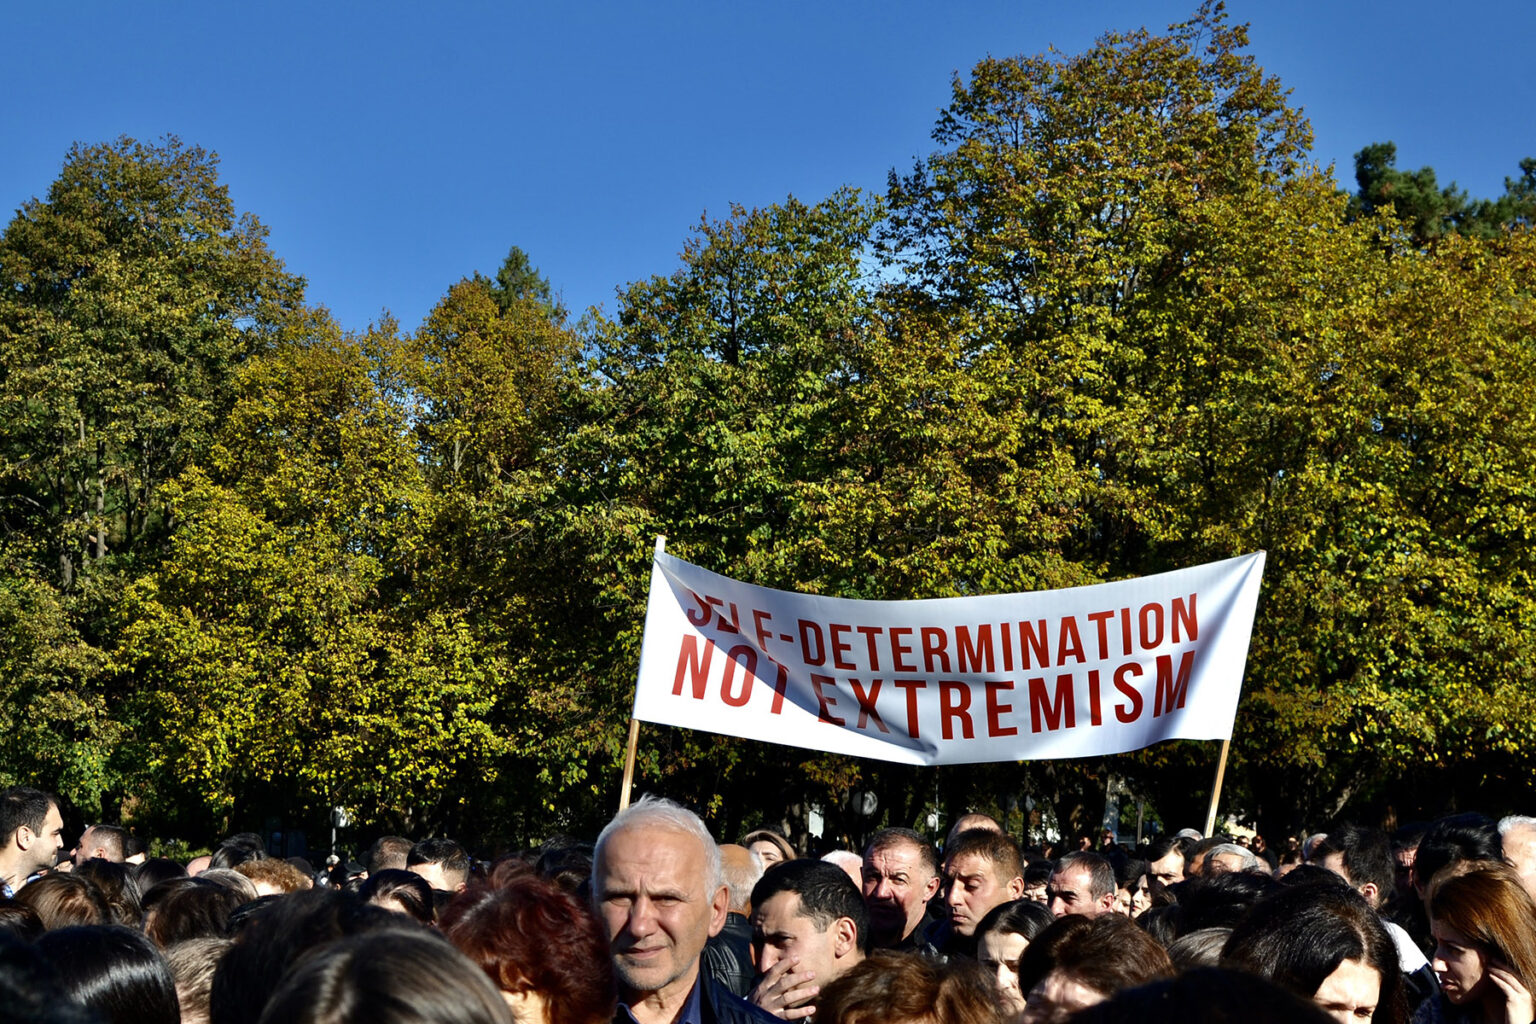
728, 956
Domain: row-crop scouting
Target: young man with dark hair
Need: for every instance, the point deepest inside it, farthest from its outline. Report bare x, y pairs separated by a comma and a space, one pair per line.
982, 869
31, 835
809, 927
442, 862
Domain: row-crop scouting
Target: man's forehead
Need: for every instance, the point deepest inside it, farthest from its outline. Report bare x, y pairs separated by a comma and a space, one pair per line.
970, 864
899, 854
1071, 876
652, 846
779, 909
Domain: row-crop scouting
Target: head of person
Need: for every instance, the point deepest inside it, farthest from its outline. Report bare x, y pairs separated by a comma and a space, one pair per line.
400, 892
540, 946
894, 988
769, 846
114, 971
741, 869
1480, 919
119, 886
442, 862
1460, 837
1083, 883
1228, 859
1165, 859
1517, 841
387, 977
1133, 892
659, 890
981, 870
1205, 995
101, 842
1079, 962
1002, 937
30, 991
192, 964
1324, 942
1362, 857
237, 849
189, 908
273, 877
568, 863
851, 863
31, 833
65, 900
809, 910
387, 853
966, 822
900, 875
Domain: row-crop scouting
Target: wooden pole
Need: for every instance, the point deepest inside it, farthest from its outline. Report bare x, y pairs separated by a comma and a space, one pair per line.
1221, 771
634, 727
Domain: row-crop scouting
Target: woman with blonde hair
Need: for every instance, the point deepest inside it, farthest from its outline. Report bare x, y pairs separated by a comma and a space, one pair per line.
1484, 927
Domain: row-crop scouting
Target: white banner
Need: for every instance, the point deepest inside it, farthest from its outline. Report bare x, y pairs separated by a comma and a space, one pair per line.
1008, 677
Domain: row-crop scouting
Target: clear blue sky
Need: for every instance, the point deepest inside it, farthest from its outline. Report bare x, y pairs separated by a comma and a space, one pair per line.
393, 148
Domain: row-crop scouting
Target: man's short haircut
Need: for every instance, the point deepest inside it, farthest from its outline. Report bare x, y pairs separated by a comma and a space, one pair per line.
825, 890
444, 852
387, 852
1106, 953
741, 874
112, 841
23, 805
1469, 836
1366, 856
1101, 875
660, 813
889, 837
1002, 851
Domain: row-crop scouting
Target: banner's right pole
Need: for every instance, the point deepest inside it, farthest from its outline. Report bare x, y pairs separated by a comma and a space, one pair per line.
1221, 771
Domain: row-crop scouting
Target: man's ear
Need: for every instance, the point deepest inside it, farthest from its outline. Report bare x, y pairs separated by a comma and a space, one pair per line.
1107, 902
845, 937
1015, 887
1370, 892
717, 909
25, 837
932, 888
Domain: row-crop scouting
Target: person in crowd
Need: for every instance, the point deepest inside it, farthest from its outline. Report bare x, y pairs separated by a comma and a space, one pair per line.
1228, 858
399, 892
1323, 942
189, 908
809, 928
1459, 837
156, 870
568, 863
1165, 859
135, 849
1405, 849
119, 886
1002, 937
659, 890
1083, 883
769, 846
272, 877
982, 869
1484, 926
1199, 948
65, 900
101, 842
728, 954
192, 964
1037, 879
1517, 842
966, 822
1079, 962
1205, 995
1217, 902
19, 921
540, 946
387, 977
900, 877
231, 879
1363, 858
237, 849
31, 836
851, 863
1133, 893
115, 972
897, 988
30, 991
388, 853
442, 862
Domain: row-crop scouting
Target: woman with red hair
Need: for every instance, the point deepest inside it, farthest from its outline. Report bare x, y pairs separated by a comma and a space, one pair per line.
541, 947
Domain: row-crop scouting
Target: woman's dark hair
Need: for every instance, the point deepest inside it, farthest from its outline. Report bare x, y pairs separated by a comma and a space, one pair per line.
19, 920
1128, 871
1205, 995
531, 935
897, 988
189, 908
1469, 836
156, 870
406, 890
1016, 917
30, 990
763, 835
1107, 953
275, 939
1221, 901
238, 849
114, 971
65, 900
118, 885
566, 862
1299, 936
387, 977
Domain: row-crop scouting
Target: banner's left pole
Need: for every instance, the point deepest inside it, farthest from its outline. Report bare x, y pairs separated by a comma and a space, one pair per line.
634, 728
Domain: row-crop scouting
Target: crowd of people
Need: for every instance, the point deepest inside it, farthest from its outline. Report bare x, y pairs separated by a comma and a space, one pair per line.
655, 922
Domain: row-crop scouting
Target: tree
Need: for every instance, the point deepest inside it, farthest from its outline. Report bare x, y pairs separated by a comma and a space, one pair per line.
518, 280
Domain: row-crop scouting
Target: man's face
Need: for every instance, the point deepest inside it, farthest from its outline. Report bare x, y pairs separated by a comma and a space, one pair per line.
1169, 869
1071, 892
82, 851
1520, 854
971, 888
779, 930
44, 851
897, 887
653, 895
